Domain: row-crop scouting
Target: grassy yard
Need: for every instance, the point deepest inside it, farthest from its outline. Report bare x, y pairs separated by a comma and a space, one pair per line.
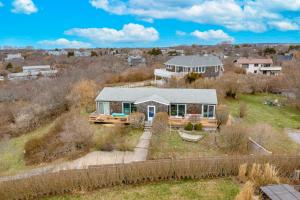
12, 151
170, 144
277, 117
216, 189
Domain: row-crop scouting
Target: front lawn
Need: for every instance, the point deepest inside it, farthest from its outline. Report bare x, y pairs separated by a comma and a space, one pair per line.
170, 144
215, 189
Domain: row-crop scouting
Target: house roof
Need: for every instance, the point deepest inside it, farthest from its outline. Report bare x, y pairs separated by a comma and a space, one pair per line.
154, 98
201, 96
254, 61
195, 61
281, 192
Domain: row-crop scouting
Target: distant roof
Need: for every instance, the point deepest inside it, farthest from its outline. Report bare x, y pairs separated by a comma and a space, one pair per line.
255, 61
36, 67
281, 192
203, 96
284, 57
195, 61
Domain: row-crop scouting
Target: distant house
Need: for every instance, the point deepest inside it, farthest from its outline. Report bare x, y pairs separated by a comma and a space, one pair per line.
1, 78
135, 60
209, 66
33, 72
12, 57
180, 104
258, 66
85, 53
284, 58
57, 52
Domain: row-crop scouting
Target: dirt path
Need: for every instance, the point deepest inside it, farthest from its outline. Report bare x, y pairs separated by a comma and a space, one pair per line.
96, 158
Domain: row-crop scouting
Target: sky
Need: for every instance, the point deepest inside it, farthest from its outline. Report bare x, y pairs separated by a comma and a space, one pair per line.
146, 23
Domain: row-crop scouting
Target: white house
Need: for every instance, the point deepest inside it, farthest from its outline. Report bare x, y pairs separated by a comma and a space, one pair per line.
1, 78
11, 57
78, 53
57, 52
258, 66
209, 66
33, 72
135, 60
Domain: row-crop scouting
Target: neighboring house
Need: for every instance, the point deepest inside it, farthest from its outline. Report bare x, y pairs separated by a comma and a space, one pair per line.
78, 53
284, 58
33, 72
1, 78
12, 57
135, 60
209, 66
57, 52
180, 104
258, 66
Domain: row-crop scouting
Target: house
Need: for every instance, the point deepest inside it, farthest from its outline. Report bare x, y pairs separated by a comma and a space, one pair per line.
1, 78
78, 53
11, 57
57, 52
209, 66
258, 66
33, 72
135, 60
279, 192
181, 104
284, 58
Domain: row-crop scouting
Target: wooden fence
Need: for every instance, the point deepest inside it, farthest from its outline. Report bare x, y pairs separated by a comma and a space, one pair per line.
139, 172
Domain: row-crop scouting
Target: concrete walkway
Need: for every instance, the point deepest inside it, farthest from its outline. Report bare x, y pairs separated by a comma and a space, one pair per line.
294, 135
140, 153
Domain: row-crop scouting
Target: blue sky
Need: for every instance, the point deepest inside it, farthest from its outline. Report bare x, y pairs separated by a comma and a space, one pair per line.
146, 23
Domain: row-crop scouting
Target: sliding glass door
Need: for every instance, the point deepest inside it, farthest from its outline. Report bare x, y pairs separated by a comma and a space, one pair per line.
208, 111
178, 110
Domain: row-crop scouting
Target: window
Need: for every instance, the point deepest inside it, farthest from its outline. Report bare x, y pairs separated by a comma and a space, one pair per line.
103, 108
129, 108
255, 65
255, 71
208, 111
178, 110
246, 66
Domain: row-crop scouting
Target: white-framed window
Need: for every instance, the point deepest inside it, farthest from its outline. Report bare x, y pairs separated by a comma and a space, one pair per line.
103, 108
209, 111
178, 110
128, 108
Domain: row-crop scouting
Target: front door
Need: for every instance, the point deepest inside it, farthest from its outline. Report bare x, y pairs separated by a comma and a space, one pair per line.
151, 113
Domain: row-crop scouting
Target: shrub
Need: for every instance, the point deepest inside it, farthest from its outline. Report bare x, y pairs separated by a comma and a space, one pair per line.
222, 115
262, 175
242, 176
247, 192
9, 66
94, 53
71, 53
234, 138
242, 110
160, 123
192, 77
189, 127
155, 52
198, 127
137, 120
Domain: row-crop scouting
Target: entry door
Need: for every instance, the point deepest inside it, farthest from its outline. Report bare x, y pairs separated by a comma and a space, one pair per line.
151, 113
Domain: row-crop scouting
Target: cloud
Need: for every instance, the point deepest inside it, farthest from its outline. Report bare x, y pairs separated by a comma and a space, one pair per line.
285, 25
180, 33
129, 33
248, 15
64, 43
24, 7
213, 35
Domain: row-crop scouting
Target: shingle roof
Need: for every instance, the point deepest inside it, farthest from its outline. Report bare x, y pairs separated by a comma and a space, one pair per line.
255, 61
281, 192
203, 96
195, 61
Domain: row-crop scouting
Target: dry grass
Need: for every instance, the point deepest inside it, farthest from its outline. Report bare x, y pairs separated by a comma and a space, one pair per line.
247, 192
242, 176
262, 175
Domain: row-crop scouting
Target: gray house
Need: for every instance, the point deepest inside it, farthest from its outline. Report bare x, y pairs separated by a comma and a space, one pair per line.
178, 103
209, 66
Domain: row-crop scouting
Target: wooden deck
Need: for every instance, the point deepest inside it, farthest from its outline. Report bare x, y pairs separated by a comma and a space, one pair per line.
108, 119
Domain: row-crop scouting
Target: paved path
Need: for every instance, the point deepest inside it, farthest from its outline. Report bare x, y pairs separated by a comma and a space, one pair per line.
96, 158
294, 135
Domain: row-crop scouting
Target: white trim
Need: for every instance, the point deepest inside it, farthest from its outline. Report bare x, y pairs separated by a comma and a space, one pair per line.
139, 102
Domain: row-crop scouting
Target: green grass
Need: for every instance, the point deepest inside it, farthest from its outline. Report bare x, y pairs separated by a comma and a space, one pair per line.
12, 151
216, 189
170, 144
278, 117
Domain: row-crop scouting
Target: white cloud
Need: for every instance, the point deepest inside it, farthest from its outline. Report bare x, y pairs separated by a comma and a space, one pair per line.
180, 33
285, 25
251, 15
129, 33
213, 35
149, 20
64, 43
24, 6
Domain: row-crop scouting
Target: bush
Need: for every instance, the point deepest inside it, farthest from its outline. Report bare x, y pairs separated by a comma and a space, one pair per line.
222, 115
247, 192
198, 127
262, 175
234, 139
160, 123
192, 77
9, 66
242, 110
155, 52
189, 127
137, 120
